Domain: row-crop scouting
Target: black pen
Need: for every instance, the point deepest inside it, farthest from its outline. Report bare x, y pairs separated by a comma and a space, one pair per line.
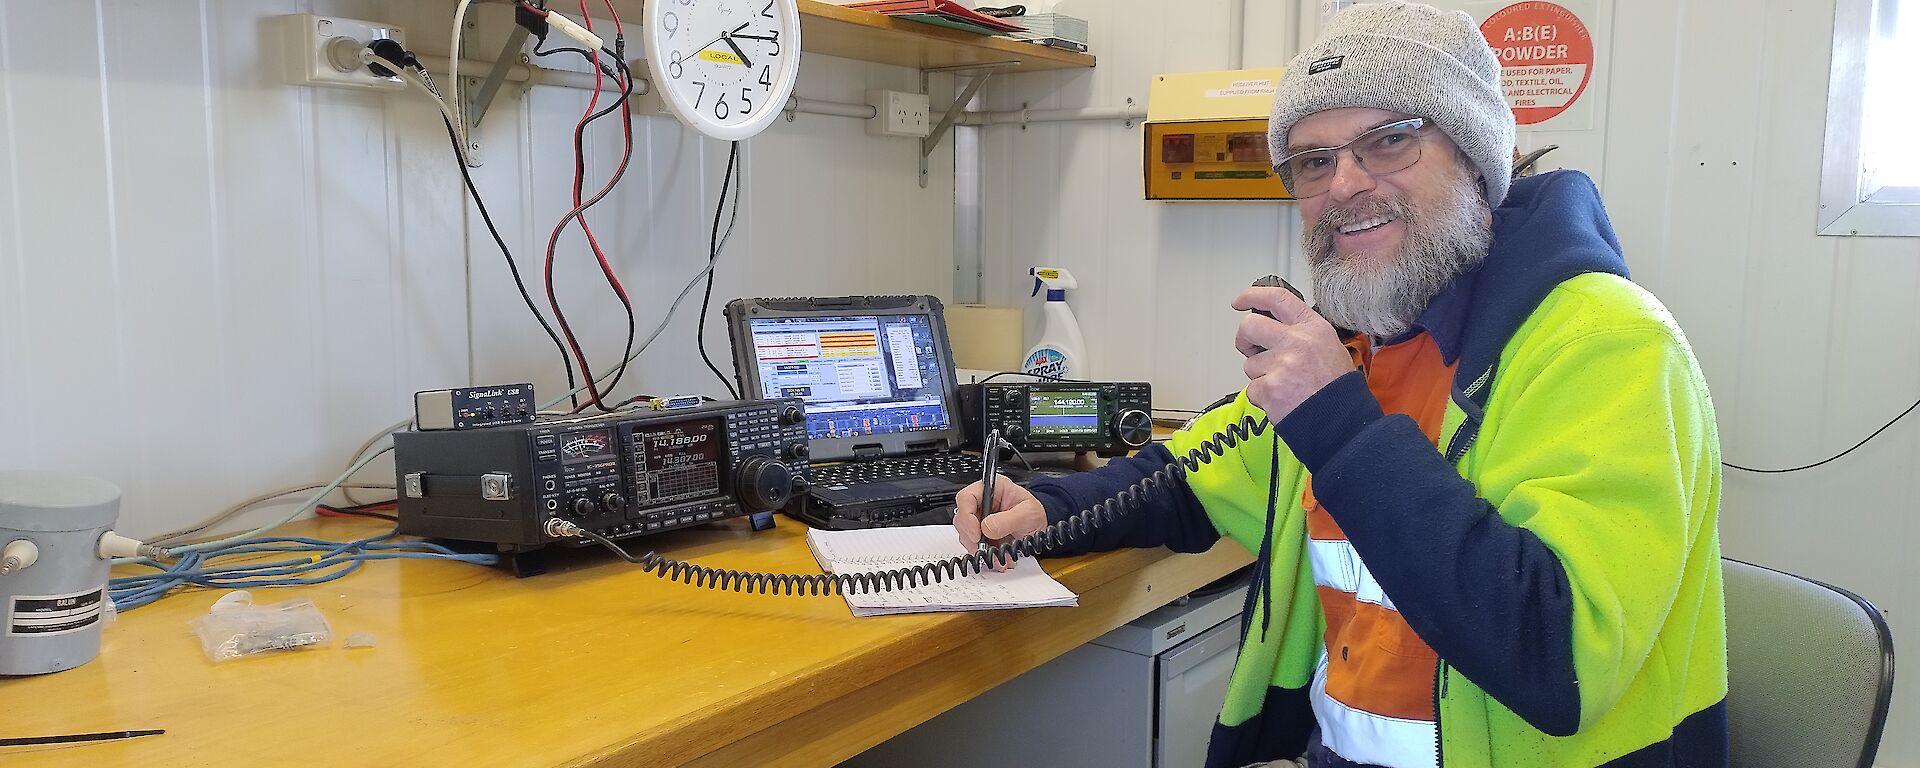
77, 738
990, 467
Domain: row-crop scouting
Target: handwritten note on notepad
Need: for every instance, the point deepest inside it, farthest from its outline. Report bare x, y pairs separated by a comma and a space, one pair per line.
885, 549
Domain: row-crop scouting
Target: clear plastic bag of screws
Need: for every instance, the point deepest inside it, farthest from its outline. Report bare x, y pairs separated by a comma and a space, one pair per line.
236, 628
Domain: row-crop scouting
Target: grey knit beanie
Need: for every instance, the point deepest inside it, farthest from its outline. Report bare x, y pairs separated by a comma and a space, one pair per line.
1409, 58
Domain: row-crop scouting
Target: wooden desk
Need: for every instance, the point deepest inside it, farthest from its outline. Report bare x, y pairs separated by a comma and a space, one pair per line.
595, 663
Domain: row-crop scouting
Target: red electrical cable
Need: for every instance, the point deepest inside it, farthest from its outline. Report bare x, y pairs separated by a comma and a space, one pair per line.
596, 396
579, 172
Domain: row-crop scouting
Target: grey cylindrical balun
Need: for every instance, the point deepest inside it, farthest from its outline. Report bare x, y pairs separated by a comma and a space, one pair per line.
53, 609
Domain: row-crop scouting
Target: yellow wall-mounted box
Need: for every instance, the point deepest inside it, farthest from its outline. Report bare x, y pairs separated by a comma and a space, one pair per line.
1206, 136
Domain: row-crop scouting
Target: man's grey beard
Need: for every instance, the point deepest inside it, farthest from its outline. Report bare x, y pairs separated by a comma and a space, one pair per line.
1382, 297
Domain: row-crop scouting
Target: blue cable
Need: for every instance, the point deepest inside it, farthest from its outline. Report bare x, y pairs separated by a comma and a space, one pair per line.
325, 561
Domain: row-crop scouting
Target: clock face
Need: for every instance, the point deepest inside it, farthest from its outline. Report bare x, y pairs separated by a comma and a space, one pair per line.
724, 67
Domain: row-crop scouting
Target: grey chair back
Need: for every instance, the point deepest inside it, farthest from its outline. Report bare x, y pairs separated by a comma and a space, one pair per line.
1810, 671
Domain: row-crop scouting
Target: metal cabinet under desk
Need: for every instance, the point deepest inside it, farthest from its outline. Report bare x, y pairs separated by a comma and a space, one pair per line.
1142, 696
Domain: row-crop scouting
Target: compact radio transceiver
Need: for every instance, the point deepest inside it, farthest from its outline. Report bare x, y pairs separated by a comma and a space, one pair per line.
1107, 418
619, 475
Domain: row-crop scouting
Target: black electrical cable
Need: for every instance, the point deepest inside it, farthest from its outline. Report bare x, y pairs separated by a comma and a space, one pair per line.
733, 217
513, 267
1018, 455
714, 247
362, 510
625, 78
566, 330
1830, 459
1035, 375
584, 53
1050, 538
713, 259
371, 505
359, 513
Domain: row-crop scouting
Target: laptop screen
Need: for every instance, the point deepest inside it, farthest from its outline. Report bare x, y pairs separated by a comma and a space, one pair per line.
859, 374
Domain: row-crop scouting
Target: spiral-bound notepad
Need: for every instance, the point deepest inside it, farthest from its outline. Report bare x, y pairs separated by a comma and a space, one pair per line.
885, 549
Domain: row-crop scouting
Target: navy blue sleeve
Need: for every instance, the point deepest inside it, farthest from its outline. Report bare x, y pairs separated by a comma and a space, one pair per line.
1488, 596
1172, 516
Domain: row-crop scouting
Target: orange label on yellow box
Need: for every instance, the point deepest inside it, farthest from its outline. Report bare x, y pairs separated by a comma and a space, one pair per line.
722, 57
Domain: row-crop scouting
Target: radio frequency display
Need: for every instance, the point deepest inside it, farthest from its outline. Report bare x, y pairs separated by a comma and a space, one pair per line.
1064, 412
677, 463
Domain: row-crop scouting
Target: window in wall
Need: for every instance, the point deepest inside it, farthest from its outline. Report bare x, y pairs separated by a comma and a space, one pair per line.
1870, 175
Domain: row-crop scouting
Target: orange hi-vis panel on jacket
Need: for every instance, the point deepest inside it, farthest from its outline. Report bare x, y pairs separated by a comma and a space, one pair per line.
1373, 693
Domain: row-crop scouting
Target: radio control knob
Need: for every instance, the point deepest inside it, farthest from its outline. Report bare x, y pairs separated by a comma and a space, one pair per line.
613, 502
583, 506
800, 485
798, 452
792, 415
1134, 428
1016, 432
764, 484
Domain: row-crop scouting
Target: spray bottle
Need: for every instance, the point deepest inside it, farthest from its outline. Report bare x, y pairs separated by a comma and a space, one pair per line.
1062, 351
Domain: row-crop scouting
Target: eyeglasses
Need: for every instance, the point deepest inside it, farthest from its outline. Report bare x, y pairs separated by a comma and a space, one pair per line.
1387, 149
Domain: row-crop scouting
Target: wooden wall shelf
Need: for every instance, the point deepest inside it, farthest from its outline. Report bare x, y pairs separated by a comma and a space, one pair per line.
833, 30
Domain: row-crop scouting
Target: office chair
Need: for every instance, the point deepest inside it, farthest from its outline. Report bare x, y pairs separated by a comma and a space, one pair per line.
1810, 671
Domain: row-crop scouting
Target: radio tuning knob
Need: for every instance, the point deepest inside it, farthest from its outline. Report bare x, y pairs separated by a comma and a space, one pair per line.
583, 506
1016, 432
792, 415
1134, 428
797, 452
613, 502
764, 484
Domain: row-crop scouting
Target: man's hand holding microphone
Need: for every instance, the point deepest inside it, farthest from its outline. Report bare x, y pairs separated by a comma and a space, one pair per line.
1291, 353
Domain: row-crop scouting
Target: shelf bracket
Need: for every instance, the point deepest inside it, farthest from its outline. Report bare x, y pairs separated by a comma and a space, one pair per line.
980, 74
476, 94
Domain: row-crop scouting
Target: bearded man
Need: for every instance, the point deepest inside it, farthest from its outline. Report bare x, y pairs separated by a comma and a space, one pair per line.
1485, 533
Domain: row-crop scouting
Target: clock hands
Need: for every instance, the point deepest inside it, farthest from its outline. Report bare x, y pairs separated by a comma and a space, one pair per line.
737, 52
709, 43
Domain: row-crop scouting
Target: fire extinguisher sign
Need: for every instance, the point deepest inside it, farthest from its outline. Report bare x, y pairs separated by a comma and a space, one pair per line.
1546, 60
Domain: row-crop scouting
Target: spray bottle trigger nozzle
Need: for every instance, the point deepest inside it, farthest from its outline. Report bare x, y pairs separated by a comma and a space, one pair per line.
1036, 287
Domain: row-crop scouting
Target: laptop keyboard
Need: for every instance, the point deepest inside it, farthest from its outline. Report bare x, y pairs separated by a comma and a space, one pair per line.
851, 473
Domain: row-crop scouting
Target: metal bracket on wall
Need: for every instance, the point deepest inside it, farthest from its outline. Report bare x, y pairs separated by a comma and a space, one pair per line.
980, 74
476, 93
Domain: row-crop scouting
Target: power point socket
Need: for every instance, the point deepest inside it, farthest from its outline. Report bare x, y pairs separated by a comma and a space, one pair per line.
325, 50
899, 114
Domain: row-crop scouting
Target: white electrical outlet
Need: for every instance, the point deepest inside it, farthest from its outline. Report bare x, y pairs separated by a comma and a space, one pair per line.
325, 50
899, 114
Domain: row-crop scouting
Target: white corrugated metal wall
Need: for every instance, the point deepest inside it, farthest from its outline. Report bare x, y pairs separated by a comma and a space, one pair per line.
1154, 278
1708, 121
213, 285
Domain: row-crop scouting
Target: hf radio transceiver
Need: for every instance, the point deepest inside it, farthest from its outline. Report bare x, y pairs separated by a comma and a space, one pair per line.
1107, 418
619, 475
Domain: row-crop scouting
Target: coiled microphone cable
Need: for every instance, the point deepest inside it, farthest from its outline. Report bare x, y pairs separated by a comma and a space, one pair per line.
1040, 542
